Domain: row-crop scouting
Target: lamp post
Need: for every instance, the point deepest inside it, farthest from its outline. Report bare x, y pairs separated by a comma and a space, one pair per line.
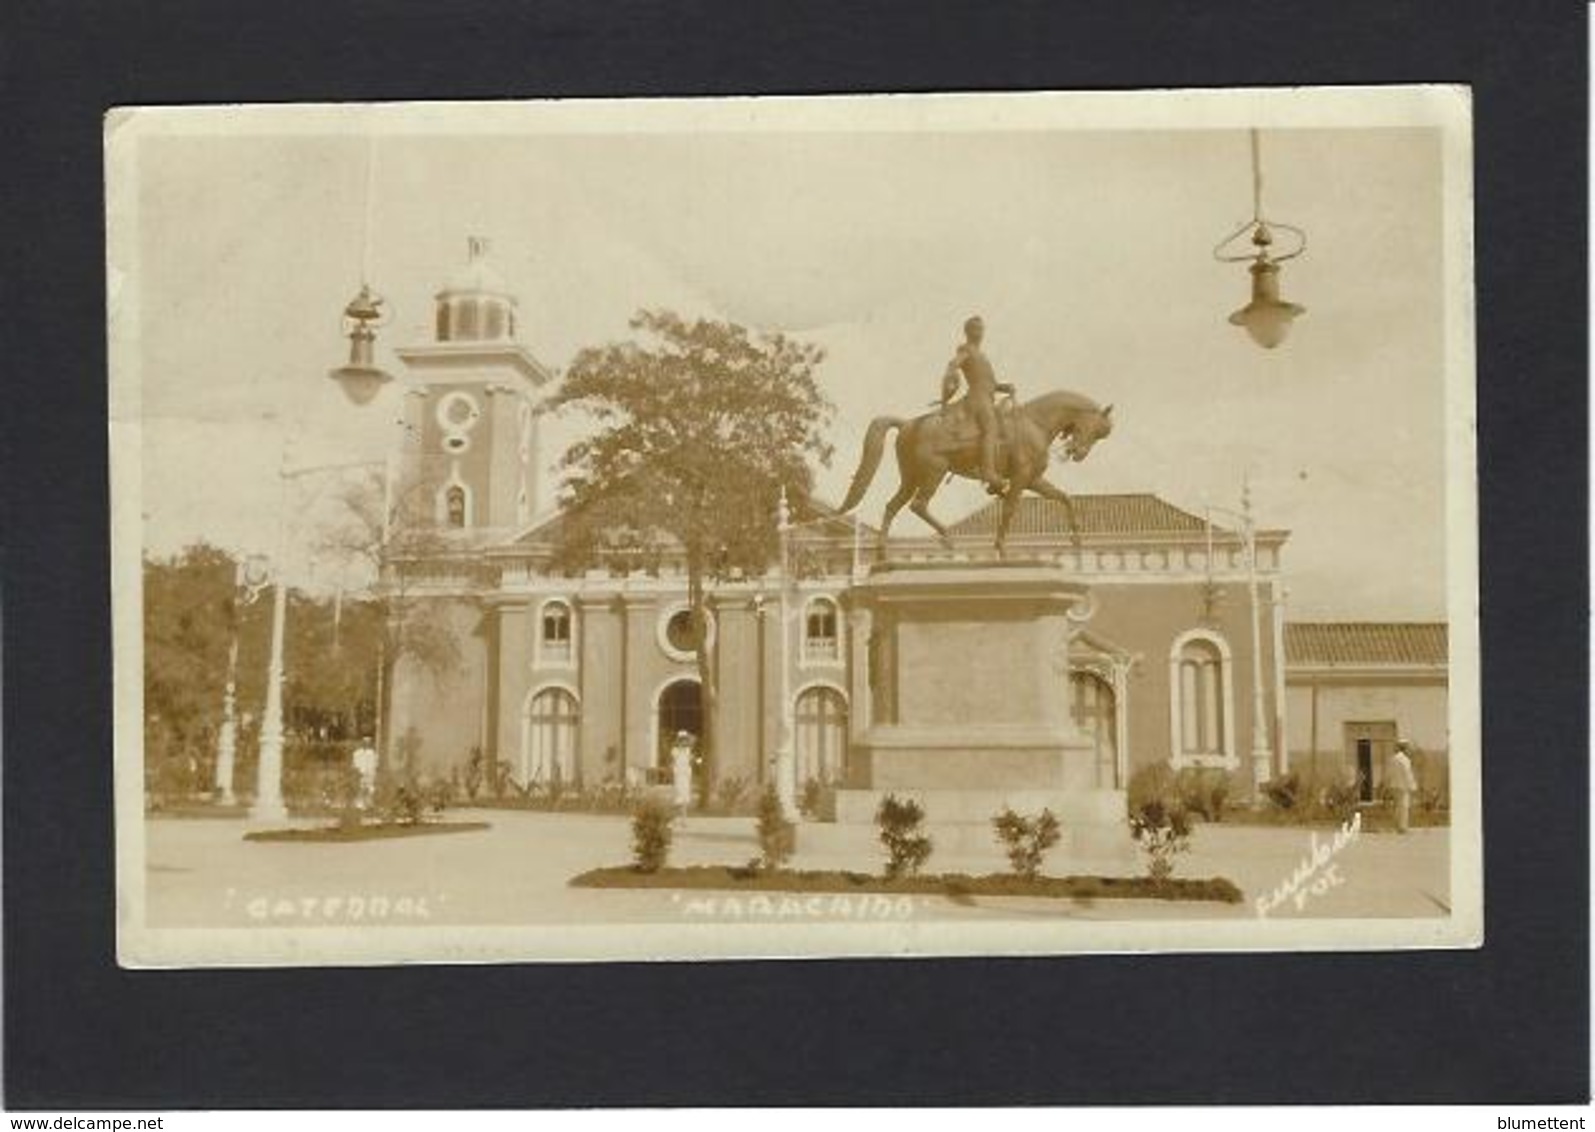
227, 737
785, 755
360, 379
269, 805
1262, 748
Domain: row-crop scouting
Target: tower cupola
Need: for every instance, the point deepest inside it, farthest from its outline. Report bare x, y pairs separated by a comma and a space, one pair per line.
475, 304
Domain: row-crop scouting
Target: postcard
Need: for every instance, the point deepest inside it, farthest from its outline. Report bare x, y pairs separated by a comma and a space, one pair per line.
895, 526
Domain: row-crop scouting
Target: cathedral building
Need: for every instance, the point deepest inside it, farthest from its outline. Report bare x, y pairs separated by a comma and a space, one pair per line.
1186, 656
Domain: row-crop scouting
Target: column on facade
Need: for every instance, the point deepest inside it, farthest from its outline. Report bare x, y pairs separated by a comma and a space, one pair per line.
859, 704
601, 678
645, 671
736, 738
513, 680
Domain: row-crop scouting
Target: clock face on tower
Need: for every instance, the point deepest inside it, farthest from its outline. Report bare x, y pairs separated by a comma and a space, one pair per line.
457, 414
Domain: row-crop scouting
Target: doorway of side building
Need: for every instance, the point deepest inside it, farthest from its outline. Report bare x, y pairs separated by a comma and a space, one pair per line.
1368, 745
680, 709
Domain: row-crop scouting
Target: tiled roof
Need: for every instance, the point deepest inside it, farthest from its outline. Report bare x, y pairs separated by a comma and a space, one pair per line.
1097, 514
1365, 642
811, 518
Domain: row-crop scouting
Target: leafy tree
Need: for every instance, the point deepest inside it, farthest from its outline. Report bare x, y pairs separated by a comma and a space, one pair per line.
697, 429
188, 623
385, 533
192, 613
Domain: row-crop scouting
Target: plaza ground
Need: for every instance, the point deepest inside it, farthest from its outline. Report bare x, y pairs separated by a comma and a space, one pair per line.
202, 873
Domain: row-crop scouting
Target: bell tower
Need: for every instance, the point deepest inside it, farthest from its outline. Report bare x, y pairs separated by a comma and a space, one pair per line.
470, 463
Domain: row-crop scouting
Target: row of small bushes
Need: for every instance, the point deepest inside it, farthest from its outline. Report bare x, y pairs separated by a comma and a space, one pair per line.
1163, 829
1290, 798
497, 787
653, 830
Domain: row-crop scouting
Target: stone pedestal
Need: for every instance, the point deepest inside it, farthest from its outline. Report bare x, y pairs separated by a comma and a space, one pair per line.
967, 709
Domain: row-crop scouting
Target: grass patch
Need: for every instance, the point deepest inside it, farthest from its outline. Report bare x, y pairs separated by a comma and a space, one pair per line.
955, 885
1375, 819
365, 832
200, 811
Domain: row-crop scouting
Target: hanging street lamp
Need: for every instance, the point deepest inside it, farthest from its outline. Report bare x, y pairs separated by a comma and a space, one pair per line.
362, 379
1267, 318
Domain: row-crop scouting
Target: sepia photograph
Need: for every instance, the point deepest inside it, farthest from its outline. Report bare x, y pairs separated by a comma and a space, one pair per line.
799, 528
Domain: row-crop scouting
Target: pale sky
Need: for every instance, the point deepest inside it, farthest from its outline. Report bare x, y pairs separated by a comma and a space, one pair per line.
1087, 251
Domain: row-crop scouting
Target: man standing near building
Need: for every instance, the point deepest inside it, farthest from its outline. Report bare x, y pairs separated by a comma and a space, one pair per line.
365, 765
681, 758
982, 388
1400, 779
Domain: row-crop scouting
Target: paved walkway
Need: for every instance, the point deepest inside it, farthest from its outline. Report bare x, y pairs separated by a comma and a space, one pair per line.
202, 873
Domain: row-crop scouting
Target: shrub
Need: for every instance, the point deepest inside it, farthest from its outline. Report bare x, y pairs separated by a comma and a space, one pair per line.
1163, 830
1026, 839
340, 788
907, 849
499, 780
1284, 791
400, 804
729, 793
1154, 783
652, 826
1340, 800
1203, 790
777, 836
813, 799
475, 773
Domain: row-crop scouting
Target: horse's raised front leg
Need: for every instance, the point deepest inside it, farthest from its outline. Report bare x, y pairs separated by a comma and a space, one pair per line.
1047, 490
1010, 506
921, 507
905, 492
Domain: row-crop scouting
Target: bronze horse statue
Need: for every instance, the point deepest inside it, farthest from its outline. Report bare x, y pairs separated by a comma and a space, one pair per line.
932, 445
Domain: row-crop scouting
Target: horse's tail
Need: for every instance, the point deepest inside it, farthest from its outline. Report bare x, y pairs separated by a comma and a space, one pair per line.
874, 445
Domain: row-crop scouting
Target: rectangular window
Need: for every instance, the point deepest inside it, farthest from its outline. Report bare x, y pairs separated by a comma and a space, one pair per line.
555, 642
819, 632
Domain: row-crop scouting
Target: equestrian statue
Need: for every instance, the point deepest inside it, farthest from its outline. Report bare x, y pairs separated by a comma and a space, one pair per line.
1006, 448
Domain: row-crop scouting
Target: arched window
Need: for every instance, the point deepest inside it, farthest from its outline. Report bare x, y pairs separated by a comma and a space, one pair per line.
820, 732
1203, 715
554, 633
454, 503
1095, 711
820, 630
548, 737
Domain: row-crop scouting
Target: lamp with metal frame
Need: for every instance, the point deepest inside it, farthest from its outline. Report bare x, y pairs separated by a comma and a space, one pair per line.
1267, 318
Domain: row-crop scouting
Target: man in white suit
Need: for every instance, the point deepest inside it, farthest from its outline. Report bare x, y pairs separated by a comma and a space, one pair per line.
1400, 779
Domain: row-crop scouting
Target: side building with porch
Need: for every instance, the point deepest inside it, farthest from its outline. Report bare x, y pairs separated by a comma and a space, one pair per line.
1353, 688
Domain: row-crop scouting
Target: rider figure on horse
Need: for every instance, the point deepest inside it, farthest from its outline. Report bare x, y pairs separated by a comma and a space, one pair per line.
982, 387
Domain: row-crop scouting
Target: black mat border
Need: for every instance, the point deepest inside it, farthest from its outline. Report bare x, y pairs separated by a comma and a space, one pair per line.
1508, 1023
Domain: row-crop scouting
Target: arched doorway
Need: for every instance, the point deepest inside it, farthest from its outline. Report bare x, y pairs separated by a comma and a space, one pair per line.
820, 726
680, 709
1095, 713
549, 729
